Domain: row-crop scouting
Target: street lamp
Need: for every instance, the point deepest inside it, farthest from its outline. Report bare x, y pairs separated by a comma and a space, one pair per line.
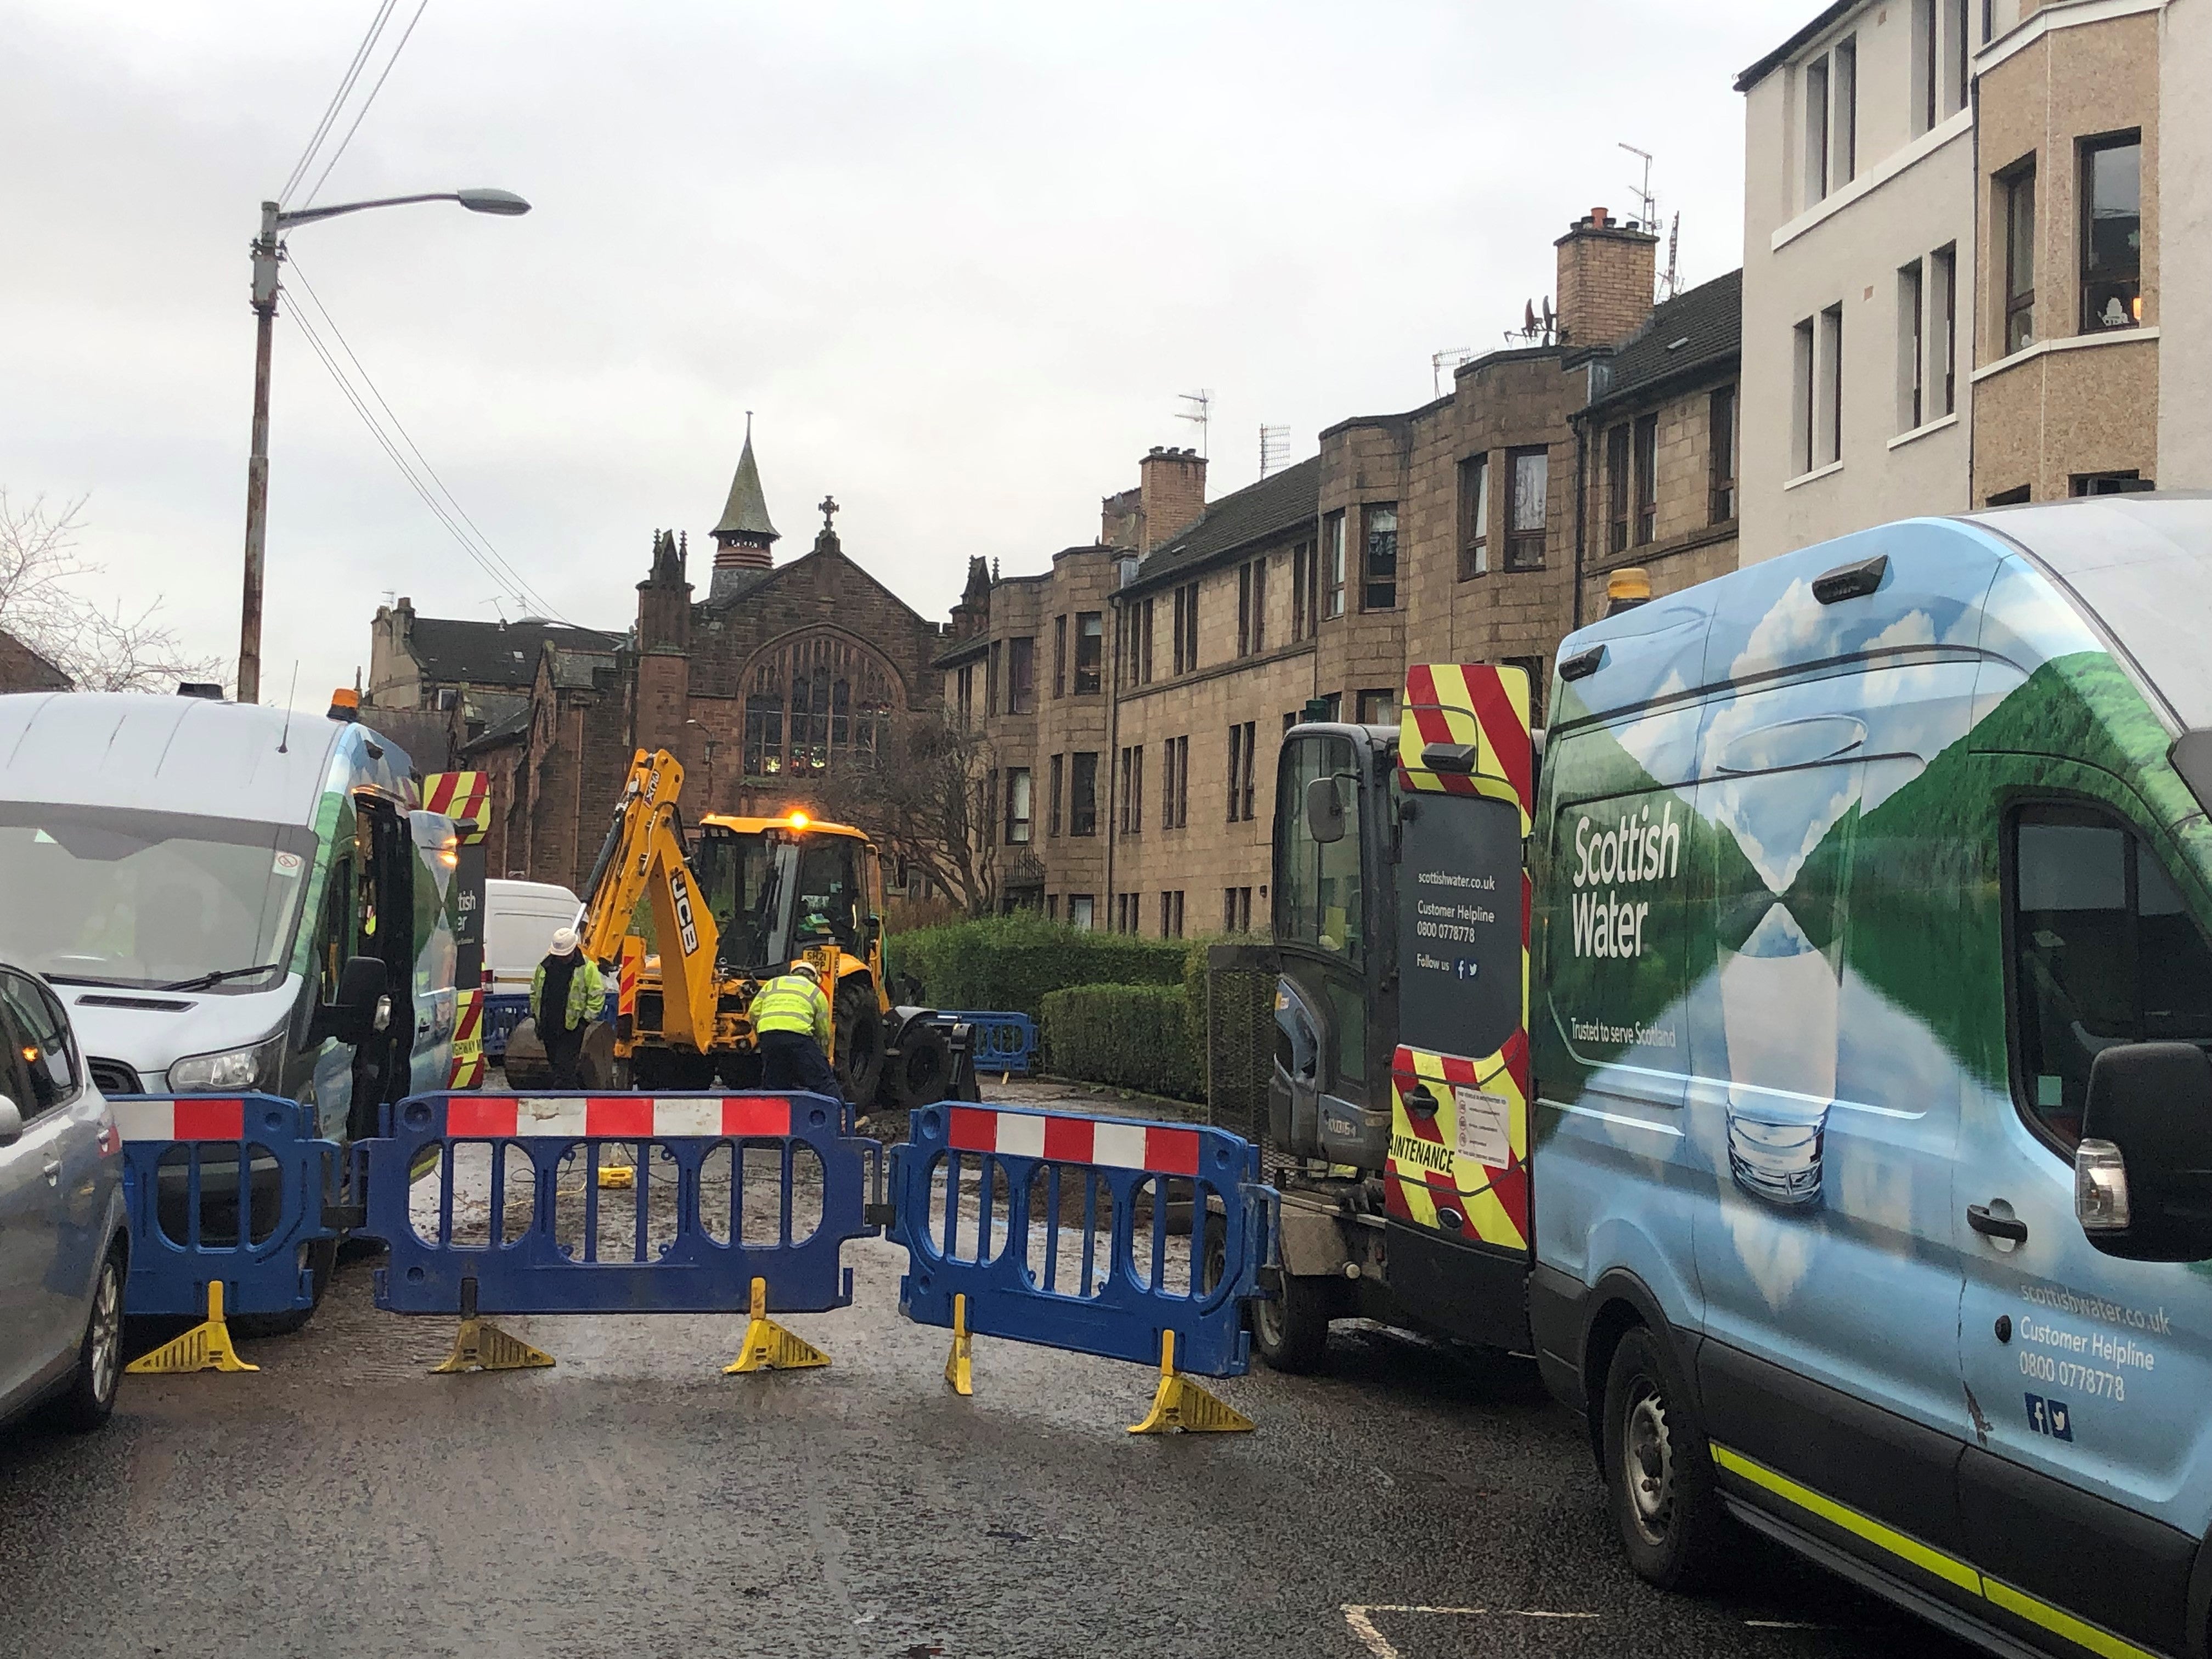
267, 255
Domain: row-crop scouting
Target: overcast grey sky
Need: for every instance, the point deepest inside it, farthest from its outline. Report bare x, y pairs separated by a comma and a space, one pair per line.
959, 258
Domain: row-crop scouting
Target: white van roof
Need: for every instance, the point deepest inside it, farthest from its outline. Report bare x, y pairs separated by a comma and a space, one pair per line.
191, 755
548, 892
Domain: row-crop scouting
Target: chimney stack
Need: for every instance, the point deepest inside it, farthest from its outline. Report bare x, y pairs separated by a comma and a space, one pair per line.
1606, 275
1171, 491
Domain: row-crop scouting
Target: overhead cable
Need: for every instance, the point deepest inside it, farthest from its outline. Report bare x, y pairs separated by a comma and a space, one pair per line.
365, 103
337, 100
448, 512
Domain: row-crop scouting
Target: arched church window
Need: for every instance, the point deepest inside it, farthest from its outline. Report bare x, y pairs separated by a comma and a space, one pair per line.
815, 702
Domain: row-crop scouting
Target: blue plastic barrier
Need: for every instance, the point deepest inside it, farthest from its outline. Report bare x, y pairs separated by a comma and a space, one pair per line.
998, 1041
1056, 1230
502, 1012
191, 1220
568, 1246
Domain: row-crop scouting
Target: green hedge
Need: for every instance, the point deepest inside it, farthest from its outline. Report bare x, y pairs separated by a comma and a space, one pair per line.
1131, 1037
1012, 962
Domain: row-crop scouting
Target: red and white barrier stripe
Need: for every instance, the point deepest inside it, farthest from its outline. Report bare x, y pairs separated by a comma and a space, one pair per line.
1076, 1140
640, 1117
192, 1118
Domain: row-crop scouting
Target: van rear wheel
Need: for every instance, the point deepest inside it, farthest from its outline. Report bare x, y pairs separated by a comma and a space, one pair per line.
1659, 1470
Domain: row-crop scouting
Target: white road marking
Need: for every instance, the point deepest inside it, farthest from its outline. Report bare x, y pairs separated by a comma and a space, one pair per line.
1356, 1619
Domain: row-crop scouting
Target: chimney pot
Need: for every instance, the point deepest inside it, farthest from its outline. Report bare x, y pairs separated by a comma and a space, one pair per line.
1599, 217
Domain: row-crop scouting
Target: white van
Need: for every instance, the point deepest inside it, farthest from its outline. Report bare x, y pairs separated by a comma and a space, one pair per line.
519, 919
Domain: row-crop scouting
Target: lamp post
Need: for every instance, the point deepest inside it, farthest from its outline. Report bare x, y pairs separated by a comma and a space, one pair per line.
267, 253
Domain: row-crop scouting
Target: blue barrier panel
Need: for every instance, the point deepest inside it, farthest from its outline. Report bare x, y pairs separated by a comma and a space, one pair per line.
502, 1012
1057, 1230
998, 1041
192, 1221
720, 1189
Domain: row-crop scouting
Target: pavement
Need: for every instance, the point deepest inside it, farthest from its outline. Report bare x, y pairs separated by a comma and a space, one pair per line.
1416, 1501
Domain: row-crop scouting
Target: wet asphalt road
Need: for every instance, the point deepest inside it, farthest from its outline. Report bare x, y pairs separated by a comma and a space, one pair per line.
1413, 1502
635, 1501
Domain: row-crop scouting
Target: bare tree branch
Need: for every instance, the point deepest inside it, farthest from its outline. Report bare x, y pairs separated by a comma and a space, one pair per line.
927, 802
118, 649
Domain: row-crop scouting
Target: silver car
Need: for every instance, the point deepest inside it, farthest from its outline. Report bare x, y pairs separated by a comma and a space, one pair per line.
65, 1249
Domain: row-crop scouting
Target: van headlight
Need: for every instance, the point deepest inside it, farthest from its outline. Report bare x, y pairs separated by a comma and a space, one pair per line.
251, 1067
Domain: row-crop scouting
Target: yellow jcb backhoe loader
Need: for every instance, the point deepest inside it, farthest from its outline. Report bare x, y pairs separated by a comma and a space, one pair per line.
685, 940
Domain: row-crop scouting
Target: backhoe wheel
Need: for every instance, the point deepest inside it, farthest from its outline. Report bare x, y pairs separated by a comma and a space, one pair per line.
860, 1019
923, 1067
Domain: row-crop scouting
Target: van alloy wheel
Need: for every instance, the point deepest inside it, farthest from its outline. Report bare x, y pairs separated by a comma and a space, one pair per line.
105, 1336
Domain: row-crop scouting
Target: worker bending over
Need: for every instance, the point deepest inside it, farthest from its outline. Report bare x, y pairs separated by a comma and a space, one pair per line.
566, 995
791, 1023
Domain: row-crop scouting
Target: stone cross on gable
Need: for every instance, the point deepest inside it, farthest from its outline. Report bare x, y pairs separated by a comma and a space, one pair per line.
829, 512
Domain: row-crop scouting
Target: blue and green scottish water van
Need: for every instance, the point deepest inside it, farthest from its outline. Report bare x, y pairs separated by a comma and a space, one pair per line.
1874, 1195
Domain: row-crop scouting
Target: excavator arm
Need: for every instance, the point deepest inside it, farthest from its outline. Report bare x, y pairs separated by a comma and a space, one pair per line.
644, 858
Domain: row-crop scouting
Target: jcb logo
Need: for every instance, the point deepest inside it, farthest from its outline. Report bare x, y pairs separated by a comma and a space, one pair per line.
684, 925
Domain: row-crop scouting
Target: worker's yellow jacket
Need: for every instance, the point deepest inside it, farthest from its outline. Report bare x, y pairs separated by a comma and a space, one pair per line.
793, 1002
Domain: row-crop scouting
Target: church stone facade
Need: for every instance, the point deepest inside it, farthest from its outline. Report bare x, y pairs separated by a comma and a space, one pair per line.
778, 674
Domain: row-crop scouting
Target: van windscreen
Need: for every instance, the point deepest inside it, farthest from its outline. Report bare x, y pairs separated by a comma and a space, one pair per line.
109, 896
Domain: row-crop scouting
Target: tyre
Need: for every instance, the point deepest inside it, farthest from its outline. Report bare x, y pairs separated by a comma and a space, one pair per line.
918, 1076
90, 1397
860, 1022
1659, 1470
1289, 1330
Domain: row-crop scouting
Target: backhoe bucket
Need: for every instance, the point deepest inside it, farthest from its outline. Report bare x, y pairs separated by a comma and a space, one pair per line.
525, 1065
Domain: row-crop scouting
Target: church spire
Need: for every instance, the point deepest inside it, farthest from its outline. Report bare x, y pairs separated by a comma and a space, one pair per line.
744, 535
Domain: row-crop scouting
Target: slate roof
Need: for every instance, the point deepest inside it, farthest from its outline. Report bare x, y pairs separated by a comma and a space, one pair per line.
745, 513
1689, 334
500, 732
1256, 513
495, 654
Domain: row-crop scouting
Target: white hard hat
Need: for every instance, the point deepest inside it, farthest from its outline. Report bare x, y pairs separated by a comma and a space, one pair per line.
565, 941
807, 969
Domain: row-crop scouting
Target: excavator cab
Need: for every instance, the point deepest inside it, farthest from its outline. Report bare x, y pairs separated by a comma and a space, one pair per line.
778, 893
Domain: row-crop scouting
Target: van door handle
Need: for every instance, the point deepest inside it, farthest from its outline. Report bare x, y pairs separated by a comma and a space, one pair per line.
52, 1172
1980, 1218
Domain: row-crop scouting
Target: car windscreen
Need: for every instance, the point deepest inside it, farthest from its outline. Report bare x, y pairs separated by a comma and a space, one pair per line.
104, 896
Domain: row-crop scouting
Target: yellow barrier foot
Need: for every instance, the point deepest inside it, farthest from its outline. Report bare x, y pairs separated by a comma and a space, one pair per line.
960, 1363
205, 1347
618, 1175
768, 1346
481, 1346
1180, 1403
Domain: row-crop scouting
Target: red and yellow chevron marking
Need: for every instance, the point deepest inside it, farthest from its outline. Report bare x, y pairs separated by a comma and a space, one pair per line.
463, 797
1470, 703
468, 1042
631, 971
1426, 1175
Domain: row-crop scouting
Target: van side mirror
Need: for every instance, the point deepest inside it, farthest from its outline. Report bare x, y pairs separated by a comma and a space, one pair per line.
2142, 1174
354, 1018
11, 1122
1324, 812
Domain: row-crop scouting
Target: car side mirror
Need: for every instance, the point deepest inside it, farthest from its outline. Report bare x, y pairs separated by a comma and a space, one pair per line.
353, 1017
1324, 812
2142, 1173
11, 1122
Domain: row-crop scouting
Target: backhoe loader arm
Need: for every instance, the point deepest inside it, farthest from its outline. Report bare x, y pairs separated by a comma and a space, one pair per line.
644, 858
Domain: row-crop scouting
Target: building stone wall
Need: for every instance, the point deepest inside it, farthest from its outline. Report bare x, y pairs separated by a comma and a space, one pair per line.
1810, 248
2076, 401
2184, 244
